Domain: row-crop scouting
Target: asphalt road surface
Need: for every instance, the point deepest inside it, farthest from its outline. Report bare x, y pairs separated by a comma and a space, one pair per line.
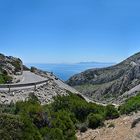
29, 77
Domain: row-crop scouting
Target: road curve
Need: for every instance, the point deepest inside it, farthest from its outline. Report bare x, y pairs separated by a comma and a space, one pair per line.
29, 77
27, 80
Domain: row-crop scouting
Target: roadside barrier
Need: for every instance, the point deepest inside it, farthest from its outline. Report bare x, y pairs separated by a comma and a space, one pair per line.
11, 86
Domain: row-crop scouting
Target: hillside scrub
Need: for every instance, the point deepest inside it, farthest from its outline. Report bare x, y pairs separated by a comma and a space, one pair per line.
56, 121
109, 83
10, 127
131, 105
17, 65
95, 120
5, 78
111, 112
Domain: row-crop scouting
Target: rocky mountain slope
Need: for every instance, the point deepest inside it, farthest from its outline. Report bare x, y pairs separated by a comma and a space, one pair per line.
108, 84
9, 68
10, 64
118, 129
14, 69
44, 93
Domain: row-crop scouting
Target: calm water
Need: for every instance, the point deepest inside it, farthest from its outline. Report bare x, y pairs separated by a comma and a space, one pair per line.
65, 71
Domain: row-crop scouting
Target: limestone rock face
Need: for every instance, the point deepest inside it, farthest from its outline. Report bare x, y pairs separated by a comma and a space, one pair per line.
10, 65
45, 92
108, 83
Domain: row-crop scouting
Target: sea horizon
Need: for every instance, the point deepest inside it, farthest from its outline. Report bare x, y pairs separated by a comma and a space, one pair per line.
65, 70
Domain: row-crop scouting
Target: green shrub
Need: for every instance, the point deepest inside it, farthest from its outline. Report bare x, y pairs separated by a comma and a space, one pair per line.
95, 120
111, 112
17, 65
76, 105
5, 108
63, 121
131, 105
5, 78
56, 121
10, 127
52, 134
72, 103
30, 131
82, 127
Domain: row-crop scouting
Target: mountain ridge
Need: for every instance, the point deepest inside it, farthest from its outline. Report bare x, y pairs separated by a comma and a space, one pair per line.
106, 84
21, 79
65, 71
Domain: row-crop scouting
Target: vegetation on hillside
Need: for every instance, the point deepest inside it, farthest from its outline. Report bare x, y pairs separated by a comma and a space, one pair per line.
59, 120
131, 105
109, 83
17, 65
56, 121
5, 78
9, 66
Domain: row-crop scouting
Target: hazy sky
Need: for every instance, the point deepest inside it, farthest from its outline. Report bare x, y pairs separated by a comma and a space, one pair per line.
70, 30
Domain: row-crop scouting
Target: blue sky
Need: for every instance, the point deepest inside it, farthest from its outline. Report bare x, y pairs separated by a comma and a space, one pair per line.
60, 31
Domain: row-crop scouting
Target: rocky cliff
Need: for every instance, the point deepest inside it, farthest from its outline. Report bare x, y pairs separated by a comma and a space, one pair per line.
10, 64
107, 84
9, 68
13, 68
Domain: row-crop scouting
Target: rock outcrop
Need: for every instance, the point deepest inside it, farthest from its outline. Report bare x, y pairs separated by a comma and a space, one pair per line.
10, 66
107, 84
118, 129
45, 92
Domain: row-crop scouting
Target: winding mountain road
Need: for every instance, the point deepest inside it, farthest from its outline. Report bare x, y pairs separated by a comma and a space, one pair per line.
27, 80
29, 77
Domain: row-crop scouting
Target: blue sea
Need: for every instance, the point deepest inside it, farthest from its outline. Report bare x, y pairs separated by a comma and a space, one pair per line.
65, 71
